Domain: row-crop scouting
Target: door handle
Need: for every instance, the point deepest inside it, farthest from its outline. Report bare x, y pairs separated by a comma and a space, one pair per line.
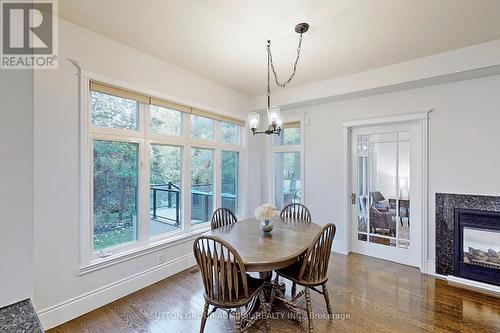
353, 198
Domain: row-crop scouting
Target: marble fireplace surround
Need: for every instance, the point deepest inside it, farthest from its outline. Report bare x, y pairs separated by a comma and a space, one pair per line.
445, 223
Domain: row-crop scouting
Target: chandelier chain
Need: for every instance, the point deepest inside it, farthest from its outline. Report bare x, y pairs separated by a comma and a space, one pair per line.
271, 65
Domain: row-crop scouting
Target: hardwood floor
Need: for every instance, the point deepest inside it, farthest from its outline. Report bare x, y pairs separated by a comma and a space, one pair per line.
369, 295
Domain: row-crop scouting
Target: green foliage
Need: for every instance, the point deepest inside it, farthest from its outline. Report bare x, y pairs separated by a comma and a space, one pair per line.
115, 185
165, 121
114, 112
230, 133
202, 166
165, 165
202, 128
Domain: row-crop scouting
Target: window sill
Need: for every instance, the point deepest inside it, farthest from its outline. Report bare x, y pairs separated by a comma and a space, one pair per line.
140, 251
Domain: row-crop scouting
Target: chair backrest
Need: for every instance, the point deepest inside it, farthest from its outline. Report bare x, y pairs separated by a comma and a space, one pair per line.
296, 211
222, 270
222, 217
377, 196
315, 265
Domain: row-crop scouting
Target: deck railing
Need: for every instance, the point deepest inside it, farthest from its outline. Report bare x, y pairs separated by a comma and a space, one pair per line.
201, 199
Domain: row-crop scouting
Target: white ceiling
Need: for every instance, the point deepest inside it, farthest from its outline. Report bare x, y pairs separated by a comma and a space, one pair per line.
224, 40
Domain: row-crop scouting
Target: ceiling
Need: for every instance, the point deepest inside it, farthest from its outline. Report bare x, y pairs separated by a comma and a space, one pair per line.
224, 40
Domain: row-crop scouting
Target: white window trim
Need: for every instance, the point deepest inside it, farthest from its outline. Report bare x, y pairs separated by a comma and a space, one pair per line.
145, 244
288, 149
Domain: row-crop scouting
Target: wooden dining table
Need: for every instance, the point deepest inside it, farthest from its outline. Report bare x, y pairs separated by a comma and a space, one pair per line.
263, 253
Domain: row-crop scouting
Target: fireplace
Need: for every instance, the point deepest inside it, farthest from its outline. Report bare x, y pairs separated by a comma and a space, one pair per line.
477, 245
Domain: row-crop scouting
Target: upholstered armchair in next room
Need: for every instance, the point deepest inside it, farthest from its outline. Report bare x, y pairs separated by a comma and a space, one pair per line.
382, 220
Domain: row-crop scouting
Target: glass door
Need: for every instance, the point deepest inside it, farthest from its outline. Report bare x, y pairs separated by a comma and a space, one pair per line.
384, 196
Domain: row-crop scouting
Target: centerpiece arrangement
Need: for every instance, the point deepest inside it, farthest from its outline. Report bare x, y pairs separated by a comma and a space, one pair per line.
266, 213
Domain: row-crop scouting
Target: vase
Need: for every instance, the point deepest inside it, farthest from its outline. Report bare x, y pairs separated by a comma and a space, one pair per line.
266, 226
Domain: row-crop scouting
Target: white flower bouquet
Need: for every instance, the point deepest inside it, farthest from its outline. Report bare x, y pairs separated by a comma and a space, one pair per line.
266, 212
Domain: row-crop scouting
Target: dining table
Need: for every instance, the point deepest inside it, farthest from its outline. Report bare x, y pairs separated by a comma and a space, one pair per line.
264, 253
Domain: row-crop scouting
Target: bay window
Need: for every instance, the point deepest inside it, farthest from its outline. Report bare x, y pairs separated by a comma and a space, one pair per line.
155, 170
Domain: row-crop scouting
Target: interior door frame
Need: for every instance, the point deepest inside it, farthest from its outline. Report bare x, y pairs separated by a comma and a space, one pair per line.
348, 126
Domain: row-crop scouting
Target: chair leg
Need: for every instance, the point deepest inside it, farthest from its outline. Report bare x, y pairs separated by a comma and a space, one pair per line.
327, 299
204, 317
238, 320
309, 310
265, 308
294, 289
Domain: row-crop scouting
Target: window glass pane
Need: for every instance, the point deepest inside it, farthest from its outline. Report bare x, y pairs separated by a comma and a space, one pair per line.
114, 112
165, 121
230, 168
202, 128
288, 136
115, 193
165, 188
287, 178
230, 133
202, 180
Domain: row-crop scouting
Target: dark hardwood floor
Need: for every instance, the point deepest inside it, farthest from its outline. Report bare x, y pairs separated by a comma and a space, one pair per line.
369, 295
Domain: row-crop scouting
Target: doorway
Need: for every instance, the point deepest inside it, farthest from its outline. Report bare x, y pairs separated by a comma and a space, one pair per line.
387, 186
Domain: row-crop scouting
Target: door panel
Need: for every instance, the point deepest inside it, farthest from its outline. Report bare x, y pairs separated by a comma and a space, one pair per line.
385, 163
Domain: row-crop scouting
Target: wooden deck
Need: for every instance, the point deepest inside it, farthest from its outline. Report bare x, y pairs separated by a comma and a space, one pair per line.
369, 295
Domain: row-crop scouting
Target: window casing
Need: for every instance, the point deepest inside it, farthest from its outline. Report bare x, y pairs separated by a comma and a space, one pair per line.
288, 165
141, 192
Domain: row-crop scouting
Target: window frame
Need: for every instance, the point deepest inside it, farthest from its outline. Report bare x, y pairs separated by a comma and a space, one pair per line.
91, 260
288, 149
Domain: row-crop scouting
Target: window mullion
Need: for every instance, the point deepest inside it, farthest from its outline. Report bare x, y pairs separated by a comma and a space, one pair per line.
218, 167
186, 176
144, 232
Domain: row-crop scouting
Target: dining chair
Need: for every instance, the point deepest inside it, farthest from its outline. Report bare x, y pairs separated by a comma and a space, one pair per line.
227, 285
296, 211
310, 271
222, 217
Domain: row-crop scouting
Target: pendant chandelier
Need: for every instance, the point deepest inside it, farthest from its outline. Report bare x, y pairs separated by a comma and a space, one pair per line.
273, 112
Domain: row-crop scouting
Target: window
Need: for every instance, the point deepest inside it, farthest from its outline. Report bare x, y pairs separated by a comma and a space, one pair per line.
290, 135
114, 112
115, 193
230, 169
202, 185
230, 133
165, 121
165, 188
202, 128
287, 151
150, 177
287, 178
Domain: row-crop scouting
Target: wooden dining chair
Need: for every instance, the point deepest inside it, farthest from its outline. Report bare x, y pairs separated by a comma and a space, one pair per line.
310, 272
222, 217
296, 211
227, 285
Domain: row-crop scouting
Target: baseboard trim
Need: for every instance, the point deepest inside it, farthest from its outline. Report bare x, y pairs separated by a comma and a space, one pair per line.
62, 312
430, 267
484, 287
339, 247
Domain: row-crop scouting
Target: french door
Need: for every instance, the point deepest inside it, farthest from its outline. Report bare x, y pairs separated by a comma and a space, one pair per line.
386, 180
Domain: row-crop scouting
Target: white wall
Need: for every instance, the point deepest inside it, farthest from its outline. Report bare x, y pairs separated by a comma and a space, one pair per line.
60, 293
463, 142
16, 186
